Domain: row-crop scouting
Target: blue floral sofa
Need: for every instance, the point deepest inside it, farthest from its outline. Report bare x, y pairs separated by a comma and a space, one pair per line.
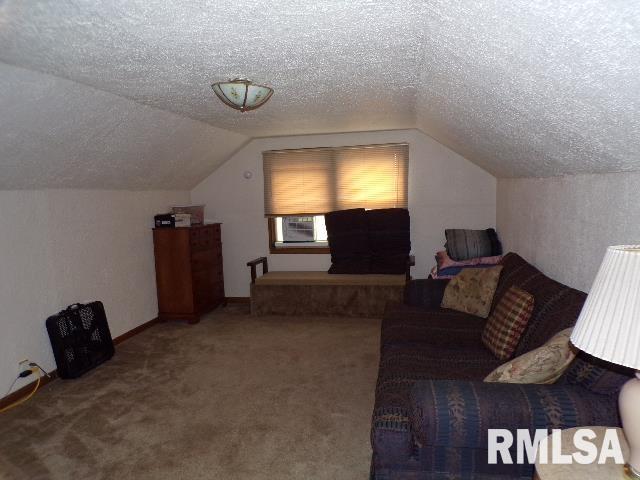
432, 410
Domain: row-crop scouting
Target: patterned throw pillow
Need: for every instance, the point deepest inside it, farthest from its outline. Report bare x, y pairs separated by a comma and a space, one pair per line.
542, 365
506, 324
471, 291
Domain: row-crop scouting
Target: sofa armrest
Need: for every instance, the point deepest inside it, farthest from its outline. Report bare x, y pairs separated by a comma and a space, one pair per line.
451, 413
425, 293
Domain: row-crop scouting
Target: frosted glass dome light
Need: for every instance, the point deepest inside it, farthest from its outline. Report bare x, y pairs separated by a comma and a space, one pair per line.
242, 94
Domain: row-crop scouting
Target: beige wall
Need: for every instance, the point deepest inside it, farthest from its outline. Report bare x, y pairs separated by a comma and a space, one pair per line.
445, 191
59, 247
564, 224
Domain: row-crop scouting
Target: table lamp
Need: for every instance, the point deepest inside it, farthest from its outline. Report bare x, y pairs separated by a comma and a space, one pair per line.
609, 328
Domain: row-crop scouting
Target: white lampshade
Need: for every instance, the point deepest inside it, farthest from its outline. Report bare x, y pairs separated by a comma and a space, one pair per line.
609, 325
242, 94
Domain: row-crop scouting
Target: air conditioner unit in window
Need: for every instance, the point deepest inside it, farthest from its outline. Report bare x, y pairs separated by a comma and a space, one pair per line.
297, 229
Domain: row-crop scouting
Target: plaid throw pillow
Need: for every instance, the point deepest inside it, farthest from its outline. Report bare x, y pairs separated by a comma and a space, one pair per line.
506, 324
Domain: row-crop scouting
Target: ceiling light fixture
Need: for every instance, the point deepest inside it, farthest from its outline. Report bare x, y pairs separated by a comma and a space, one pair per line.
242, 94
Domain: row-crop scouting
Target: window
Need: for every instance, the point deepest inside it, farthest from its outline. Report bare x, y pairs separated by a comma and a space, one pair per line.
300, 232
302, 185
297, 229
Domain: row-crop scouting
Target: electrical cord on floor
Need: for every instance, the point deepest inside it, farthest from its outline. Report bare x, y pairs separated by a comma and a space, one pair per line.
24, 374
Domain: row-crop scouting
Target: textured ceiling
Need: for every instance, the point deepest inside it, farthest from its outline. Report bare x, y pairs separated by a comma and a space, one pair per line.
522, 88
57, 134
534, 88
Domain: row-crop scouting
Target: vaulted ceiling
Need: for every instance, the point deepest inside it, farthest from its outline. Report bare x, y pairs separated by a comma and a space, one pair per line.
116, 93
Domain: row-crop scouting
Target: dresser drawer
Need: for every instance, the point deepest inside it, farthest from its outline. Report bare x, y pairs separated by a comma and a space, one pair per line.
207, 289
205, 238
206, 260
204, 279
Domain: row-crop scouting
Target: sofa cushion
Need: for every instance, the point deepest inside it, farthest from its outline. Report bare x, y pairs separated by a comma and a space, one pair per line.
464, 244
348, 241
472, 291
418, 361
541, 365
455, 413
389, 239
426, 293
596, 375
403, 324
506, 323
556, 306
402, 365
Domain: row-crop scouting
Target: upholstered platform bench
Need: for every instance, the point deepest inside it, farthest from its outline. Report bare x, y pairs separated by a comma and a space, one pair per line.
322, 293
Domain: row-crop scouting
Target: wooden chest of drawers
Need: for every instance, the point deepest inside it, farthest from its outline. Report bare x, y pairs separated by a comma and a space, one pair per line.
189, 275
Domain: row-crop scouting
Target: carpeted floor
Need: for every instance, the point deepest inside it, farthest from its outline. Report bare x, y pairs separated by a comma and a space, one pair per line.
233, 397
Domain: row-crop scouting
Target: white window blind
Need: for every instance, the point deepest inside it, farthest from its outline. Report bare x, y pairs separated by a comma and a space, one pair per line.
314, 181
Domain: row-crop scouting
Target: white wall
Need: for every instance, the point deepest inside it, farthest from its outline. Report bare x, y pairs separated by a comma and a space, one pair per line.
564, 224
59, 247
445, 191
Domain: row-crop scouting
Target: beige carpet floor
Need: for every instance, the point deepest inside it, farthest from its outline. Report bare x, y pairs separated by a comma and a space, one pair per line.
233, 397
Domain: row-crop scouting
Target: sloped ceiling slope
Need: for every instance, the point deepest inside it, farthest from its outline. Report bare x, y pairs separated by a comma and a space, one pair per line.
55, 133
534, 88
522, 88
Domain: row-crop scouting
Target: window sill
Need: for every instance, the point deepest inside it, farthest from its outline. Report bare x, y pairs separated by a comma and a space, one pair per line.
309, 248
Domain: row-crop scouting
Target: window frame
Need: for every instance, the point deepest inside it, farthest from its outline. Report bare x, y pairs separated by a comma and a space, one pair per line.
271, 212
309, 249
